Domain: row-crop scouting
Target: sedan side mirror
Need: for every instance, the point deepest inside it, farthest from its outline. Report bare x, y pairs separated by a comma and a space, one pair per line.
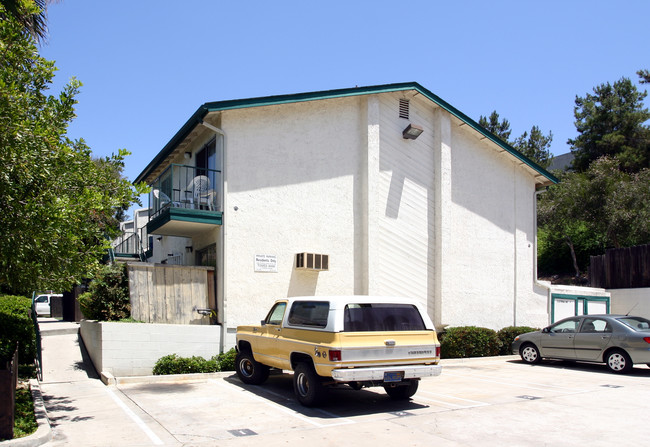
546, 330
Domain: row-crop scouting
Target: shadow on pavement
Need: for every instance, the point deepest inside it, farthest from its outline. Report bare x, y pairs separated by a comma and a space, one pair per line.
343, 401
598, 368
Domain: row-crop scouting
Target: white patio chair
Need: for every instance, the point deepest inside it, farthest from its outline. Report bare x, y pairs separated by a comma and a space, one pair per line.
199, 187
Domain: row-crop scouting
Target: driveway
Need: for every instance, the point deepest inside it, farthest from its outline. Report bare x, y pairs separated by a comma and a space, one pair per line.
493, 401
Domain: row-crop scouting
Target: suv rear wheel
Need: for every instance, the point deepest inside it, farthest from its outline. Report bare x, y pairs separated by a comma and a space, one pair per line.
308, 385
402, 392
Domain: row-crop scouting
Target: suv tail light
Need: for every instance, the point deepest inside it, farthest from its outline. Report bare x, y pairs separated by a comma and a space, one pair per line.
437, 351
335, 355
646, 339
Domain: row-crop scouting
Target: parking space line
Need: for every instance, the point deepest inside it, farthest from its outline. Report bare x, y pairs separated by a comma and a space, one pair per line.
539, 387
155, 439
475, 403
297, 415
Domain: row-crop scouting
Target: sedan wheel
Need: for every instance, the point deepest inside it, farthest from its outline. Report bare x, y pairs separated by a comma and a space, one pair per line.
619, 362
530, 354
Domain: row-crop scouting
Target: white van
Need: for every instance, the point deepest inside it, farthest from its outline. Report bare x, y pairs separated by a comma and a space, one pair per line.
43, 303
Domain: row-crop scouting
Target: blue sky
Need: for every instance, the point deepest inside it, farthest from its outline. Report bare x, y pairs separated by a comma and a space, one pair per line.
148, 65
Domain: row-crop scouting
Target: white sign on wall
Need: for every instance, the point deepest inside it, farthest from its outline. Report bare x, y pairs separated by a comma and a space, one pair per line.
266, 263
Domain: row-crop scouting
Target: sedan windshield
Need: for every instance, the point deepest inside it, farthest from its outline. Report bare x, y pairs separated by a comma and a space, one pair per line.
636, 323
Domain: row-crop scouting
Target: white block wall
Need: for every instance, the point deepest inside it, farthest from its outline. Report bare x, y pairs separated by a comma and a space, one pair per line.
132, 349
632, 301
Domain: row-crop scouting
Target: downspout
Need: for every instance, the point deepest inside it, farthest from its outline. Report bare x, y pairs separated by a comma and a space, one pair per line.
221, 270
516, 272
548, 290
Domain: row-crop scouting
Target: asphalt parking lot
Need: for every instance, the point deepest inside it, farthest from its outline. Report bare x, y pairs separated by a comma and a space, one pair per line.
494, 401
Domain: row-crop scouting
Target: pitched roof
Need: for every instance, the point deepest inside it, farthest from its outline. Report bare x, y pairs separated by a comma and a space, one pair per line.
209, 107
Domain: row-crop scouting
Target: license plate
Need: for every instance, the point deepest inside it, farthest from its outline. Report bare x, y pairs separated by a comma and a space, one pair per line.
393, 376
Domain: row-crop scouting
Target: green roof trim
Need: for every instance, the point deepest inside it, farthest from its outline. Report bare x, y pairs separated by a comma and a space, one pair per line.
208, 107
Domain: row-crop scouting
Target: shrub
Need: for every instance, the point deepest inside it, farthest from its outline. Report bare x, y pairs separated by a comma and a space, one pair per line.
507, 335
468, 341
107, 298
227, 360
24, 418
174, 364
16, 325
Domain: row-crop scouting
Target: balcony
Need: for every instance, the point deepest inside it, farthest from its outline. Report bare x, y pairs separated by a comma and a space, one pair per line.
185, 201
132, 245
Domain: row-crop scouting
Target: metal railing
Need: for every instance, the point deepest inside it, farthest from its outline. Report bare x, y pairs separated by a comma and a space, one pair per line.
39, 350
182, 186
130, 244
133, 243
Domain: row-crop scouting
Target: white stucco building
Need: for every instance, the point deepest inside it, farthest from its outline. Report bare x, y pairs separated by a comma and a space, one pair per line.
448, 218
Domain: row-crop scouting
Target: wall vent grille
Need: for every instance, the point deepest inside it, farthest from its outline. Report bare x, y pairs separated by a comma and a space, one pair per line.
404, 108
312, 261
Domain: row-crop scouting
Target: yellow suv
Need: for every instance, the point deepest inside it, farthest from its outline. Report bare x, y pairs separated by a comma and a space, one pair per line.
360, 341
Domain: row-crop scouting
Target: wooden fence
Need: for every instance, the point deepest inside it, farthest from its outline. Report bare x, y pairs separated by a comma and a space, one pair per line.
8, 384
621, 268
163, 293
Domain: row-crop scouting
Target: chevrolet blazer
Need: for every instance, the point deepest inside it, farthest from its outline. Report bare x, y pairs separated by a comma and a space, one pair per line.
360, 341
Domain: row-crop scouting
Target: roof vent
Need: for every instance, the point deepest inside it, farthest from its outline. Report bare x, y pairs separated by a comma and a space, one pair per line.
404, 108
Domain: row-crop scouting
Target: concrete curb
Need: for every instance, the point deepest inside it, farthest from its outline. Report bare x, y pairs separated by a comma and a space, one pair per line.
43, 433
109, 379
53, 332
455, 362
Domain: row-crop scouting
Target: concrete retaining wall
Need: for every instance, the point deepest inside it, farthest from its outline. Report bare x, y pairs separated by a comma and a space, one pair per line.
632, 301
132, 349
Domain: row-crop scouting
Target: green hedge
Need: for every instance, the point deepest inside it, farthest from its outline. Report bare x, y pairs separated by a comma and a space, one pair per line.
16, 325
507, 336
174, 364
468, 341
472, 341
107, 298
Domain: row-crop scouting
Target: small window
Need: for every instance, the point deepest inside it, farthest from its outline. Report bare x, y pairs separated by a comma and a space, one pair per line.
276, 314
382, 317
309, 313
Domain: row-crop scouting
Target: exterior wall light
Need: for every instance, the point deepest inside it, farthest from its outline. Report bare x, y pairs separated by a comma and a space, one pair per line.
412, 132
188, 155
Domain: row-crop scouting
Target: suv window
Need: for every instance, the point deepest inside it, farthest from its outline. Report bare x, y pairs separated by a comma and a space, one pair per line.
309, 313
276, 314
382, 317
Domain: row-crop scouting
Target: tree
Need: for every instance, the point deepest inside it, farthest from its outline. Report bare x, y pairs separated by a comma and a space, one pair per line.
30, 14
58, 203
534, 145
599, 208
644, 75
499, 128
611, 123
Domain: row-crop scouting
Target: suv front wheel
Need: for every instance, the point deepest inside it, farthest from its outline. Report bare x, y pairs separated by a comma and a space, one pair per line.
249, 370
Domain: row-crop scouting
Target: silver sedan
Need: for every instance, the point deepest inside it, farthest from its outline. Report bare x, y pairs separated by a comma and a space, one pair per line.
619, 341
